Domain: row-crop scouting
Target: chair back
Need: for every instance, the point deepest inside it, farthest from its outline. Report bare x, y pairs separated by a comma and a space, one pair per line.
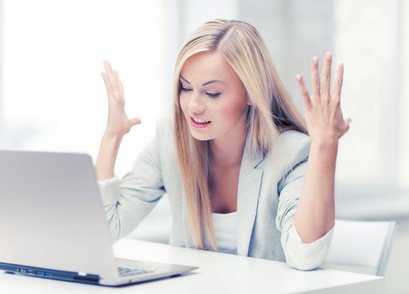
362, 245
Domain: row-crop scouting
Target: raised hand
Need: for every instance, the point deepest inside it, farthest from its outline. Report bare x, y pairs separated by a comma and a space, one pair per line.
118, 122
118, 125
316, 208
322, 109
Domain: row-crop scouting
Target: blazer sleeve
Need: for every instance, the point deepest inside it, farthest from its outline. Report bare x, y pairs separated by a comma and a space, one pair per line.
127, 201
298, 254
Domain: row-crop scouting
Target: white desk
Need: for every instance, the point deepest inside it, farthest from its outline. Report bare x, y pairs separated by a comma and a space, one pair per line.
218, 273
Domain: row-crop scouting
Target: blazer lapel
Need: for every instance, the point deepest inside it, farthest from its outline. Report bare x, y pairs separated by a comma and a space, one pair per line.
247, 199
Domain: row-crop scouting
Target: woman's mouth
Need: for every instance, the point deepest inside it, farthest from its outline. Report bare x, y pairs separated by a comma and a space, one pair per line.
199, 123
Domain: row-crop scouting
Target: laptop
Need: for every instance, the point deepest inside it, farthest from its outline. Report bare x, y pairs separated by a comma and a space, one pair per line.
52, 223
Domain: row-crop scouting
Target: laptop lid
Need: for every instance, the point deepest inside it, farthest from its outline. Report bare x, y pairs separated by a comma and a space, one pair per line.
51, 215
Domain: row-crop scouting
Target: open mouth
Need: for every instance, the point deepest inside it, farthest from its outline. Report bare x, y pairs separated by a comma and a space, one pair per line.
200, 122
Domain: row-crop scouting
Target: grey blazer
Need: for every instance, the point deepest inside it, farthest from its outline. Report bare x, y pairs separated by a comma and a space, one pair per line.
268, 193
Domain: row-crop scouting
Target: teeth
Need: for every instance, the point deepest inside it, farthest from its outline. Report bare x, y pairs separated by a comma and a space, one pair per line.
200, 121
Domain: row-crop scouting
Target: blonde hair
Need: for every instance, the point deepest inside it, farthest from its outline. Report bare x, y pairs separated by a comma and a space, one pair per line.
271, 112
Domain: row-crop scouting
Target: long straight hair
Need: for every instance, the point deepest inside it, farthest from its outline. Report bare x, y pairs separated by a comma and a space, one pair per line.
271, 112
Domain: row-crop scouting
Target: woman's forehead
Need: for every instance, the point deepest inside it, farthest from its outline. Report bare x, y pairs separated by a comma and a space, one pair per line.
205, 66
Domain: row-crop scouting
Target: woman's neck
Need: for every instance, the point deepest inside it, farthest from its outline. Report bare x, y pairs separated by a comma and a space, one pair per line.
228, 151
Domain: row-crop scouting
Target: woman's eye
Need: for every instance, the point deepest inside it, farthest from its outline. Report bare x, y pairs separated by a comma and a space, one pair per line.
212, 95
185, 89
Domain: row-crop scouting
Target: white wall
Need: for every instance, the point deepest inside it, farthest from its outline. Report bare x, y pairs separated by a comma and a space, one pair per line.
197, 12
294, 32
54, 96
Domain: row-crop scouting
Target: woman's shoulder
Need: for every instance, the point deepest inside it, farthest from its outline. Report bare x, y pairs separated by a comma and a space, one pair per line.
293, 139
164, 129
159, 146
164, 124
290, 150
293, 136
294, 146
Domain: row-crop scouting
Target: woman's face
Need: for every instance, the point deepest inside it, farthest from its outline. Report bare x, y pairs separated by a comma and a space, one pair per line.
213, 98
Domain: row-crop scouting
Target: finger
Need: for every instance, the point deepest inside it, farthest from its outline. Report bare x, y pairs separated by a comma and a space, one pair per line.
345, 127
116, 78
326, 77
107, 82
339, 77
347, 123
110, 73
315, 79
107, 66
303, 90
117, 84
121, 87
135, 121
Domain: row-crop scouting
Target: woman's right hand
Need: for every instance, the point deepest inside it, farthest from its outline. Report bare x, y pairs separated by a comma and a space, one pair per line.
118, 122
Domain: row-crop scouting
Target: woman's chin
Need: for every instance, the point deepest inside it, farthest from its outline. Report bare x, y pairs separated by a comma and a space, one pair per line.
200, 137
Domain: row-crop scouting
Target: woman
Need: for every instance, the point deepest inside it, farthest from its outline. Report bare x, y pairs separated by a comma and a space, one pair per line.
241, 172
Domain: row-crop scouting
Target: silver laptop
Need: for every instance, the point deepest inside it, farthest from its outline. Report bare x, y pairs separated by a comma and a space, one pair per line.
52, 223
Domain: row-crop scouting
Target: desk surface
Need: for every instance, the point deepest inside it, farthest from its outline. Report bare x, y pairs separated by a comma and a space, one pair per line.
217, 273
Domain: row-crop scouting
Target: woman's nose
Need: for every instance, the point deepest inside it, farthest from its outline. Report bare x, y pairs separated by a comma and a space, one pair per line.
196, 105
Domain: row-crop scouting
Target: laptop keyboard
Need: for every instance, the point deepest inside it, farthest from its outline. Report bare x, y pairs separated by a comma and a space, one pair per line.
131, 271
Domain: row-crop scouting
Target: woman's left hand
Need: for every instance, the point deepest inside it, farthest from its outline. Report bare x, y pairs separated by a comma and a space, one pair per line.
315, 212
322, 109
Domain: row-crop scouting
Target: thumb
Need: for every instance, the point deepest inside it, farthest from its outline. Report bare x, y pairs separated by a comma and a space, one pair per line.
135, 121
347, 124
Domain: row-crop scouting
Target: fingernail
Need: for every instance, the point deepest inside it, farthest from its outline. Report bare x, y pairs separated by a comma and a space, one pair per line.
329, 56
298, 77
315, 60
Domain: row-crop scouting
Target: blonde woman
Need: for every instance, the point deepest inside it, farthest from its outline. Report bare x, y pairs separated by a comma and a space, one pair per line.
244, 172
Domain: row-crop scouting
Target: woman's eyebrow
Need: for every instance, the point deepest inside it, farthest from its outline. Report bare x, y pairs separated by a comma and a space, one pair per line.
185, 80
213, 81
205, 84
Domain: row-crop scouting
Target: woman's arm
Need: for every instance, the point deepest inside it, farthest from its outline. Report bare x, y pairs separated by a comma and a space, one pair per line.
117, 126
315, 212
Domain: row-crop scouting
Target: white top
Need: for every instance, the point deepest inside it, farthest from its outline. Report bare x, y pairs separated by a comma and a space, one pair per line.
225, 229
